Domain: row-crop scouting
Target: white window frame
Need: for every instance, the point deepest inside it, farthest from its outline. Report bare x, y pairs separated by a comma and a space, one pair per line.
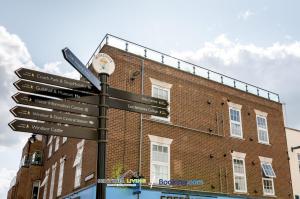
239, 156
51, 191
49, 144
78, 164
265, 160
61, 175
64, 139
45, 183
272, 171
50, 140
163, 86
264, 116
22, 162
36, 184
56, 143
235, 107
50, 150
273, 187
161, 141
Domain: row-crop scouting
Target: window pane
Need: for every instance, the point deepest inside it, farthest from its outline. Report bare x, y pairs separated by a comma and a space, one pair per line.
155, 92
159, 172
235, 115
155, 156
268, 170
165, 149
165, 95
238, 166
261, 122
236, 129
263, 135
240, 184
154, 148
268, 186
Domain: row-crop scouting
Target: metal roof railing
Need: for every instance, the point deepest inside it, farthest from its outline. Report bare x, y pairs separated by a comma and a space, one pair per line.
180, 64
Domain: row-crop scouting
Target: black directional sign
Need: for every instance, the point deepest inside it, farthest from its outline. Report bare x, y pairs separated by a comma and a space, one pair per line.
52, 91
61, 105
54, 116
81, 68
56, 80
137, 107
87, 87
53, 129
117, 93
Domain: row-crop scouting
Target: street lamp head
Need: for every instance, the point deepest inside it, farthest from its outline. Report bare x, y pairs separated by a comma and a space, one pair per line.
103, 64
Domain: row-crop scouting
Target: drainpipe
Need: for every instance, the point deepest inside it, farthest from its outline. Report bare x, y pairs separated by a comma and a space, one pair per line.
141, 123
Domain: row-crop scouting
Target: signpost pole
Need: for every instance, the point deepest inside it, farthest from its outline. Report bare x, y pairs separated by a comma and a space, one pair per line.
102, 137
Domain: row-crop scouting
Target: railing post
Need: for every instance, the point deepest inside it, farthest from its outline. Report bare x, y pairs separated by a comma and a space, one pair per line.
234, 84
208, 74
126, 47
222, 80
162, 59
194, 70
178, 64
246, 87
257, 91
145, 55
106, 40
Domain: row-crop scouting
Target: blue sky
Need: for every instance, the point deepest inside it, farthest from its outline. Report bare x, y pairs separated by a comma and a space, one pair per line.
256, 41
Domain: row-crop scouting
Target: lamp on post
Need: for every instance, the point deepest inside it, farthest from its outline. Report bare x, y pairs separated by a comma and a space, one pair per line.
104, 65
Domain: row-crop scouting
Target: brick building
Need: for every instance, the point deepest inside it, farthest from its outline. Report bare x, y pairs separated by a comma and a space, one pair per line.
27, 180
228, 134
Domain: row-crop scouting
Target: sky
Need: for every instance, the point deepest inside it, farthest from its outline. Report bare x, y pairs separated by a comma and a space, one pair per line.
256, 41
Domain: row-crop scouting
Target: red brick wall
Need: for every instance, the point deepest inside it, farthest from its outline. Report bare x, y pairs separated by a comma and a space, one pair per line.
191, 149
26, 175
198, 129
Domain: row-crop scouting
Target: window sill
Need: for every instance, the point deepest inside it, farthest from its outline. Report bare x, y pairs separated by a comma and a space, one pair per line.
76, 187
236, 137
271, 196
241, 192
264, 143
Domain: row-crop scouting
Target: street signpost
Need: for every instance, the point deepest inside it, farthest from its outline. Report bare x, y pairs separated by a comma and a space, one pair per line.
54, 129
120, 94
81, 68
137, 107
56, 80
80, 108
60, 105
54, 116
42, 89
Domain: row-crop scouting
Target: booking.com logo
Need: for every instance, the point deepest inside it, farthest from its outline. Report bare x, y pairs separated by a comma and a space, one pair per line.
181, 182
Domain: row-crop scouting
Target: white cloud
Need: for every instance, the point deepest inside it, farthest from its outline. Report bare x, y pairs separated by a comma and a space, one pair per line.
275, 67
13, 55
53, 68
6, 175
245, 15
223, 40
